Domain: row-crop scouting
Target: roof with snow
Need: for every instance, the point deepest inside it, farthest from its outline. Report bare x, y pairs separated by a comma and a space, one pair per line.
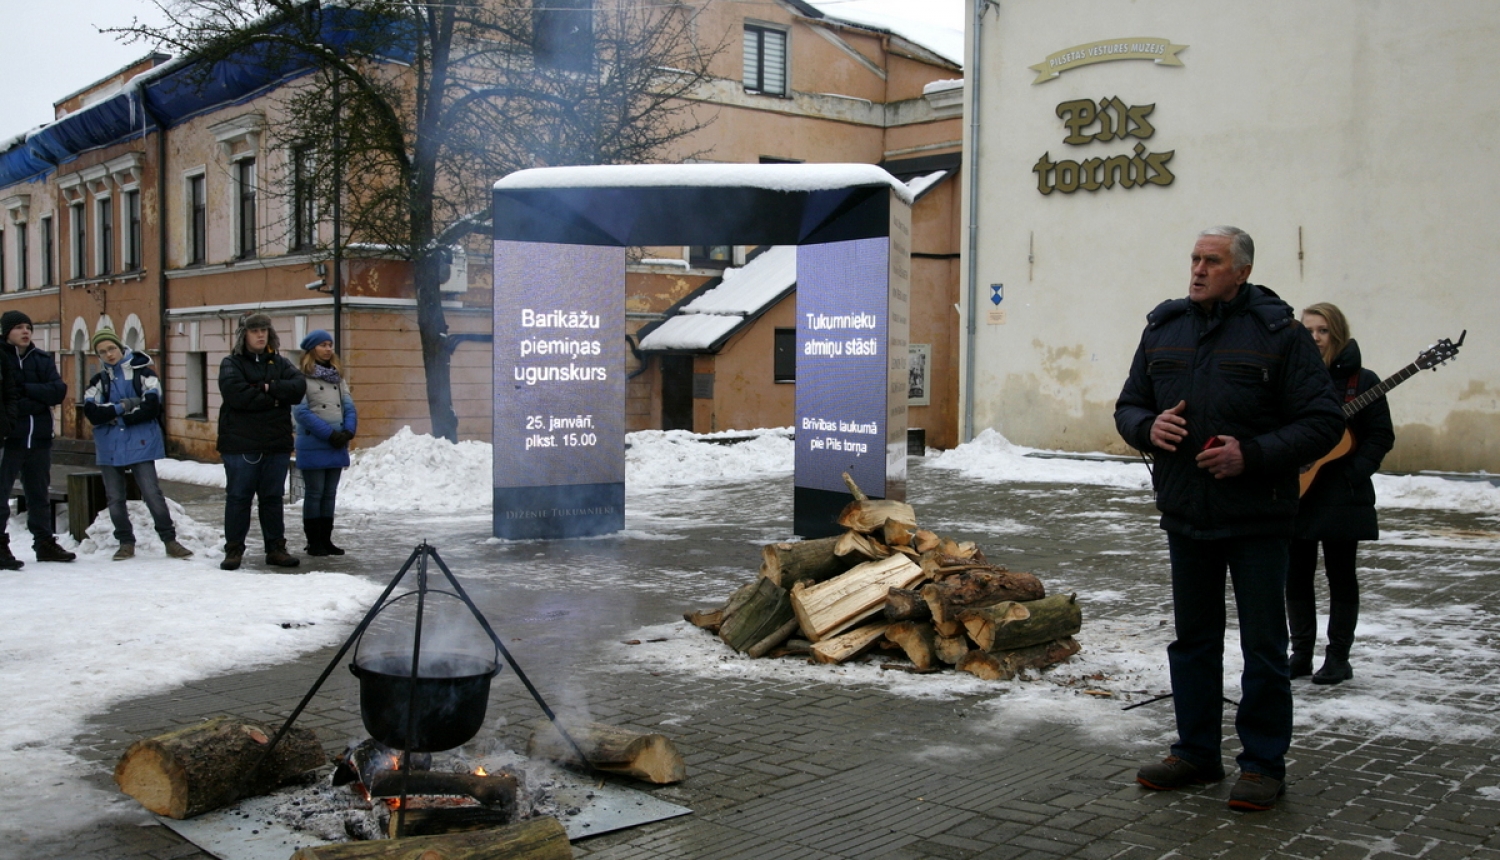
937, 25
768, 177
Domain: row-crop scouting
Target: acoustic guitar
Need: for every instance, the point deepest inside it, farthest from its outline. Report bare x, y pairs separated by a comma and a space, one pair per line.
1430, 359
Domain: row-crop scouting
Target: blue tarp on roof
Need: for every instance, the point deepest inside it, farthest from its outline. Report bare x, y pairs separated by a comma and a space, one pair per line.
173, 95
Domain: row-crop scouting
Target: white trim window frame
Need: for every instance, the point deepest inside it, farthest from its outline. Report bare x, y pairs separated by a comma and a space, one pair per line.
195, 217
245, 215
767, 67
132, 237
104, 234
302, 218
49, 250
78, 219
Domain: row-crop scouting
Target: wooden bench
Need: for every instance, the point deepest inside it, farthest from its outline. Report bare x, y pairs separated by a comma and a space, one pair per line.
87, 488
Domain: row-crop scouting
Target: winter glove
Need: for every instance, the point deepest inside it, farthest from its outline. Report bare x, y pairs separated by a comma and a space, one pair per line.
339, 438
129, 405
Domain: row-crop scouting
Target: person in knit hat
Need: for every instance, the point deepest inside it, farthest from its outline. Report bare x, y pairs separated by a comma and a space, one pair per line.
326, 422
123, 402
259, 386
28, 442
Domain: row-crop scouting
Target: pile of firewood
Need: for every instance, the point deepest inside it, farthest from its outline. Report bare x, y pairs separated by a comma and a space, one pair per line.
885, 583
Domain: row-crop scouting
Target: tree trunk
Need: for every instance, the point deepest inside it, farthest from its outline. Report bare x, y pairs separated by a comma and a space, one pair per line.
432, 326
647, 757
903, 604
767, 609
831, 607
1002, 628
787, 564
203, 767
534, 839
918, 640
848, 645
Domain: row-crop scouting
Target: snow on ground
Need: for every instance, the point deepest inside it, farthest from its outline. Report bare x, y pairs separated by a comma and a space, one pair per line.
77, 638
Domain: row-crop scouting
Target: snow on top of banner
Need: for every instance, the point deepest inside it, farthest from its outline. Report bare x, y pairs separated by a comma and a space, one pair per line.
771, 177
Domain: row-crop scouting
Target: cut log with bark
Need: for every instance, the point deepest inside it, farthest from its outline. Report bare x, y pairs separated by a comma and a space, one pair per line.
831, 607
847, 645
431, 821
905, 604
1005, 665
789, 563
777, 638
707, 619
212, 764
925, 541
534, 839
766, 609
960, 549
951, 649
868, 516
640, 755
896, 533
860, 548
494, 790
997, 628
975, 587
918, 640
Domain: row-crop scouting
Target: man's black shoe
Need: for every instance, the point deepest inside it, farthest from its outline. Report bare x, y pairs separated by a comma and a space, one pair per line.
1255, 792
1174, 772
8, 561
48, 550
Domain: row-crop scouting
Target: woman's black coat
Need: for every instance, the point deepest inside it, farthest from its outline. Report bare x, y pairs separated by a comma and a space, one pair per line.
1340, 504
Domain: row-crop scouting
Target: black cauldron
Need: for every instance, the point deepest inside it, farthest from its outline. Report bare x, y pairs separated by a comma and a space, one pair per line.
452, 693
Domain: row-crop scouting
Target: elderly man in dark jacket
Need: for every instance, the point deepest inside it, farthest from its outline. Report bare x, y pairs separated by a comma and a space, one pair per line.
1228, 393
28, 444
259, 388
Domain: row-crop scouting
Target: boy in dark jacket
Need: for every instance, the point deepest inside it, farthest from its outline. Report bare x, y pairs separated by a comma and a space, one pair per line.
259, 388
1228, 393
28, 444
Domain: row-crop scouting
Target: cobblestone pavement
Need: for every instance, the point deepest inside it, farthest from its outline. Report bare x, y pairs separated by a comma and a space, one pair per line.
787, 767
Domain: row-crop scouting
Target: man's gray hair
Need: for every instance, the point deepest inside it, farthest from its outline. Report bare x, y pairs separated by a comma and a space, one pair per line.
1241, 246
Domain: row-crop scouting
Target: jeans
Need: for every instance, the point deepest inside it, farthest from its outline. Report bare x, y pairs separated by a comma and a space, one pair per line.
251, 477
1257, 567
156, 503
320, 488
34, 465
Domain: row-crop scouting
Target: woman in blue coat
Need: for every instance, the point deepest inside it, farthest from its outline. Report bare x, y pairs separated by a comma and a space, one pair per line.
123, 402
326, 422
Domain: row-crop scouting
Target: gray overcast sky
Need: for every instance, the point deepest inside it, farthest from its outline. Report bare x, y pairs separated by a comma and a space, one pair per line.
53, 48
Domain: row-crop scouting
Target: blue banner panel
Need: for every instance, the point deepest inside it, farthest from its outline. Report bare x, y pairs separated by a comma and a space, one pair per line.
559, 411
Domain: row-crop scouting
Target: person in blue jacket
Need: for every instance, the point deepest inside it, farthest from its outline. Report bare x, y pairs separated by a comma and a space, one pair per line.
123, 402
326, 422
28, 445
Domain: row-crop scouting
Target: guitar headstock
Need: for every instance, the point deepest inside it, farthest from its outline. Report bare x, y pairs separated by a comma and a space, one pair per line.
1441, 352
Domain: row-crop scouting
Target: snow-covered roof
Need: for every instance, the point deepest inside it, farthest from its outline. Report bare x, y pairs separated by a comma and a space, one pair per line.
937, 25
691, 332
742, 294
920, 184
770, 177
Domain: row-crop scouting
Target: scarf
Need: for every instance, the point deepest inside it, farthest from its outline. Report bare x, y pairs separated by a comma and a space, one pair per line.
326, 372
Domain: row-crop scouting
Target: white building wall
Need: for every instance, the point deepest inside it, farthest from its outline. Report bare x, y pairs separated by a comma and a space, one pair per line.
1354, 140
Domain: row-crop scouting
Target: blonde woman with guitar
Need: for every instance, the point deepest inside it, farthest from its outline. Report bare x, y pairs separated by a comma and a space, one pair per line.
1338, 509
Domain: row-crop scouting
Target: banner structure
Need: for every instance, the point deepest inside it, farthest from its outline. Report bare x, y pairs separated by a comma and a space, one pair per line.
560, 237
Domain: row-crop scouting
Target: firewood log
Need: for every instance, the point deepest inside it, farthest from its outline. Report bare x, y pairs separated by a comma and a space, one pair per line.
786, 564
707, 619
647, 757
965, 549
432, 821
202, 767
925, 540
831, 607
951, 649
1005, 665
869, 516
777, 638
895, 533
904, 604
1001, 628
982, 664
494, 790
847, 645
977, 588
767, 609
917, 639
534, 839
860, 548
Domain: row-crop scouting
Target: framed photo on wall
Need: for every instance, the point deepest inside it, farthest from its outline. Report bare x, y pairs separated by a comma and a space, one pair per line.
919, 387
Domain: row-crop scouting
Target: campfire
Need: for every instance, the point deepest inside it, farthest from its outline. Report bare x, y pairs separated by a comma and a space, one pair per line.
886, 584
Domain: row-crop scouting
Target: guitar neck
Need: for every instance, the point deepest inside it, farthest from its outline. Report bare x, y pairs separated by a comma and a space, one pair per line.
1378, 391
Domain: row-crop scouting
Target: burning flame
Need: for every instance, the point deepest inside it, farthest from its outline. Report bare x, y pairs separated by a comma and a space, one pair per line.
480, 771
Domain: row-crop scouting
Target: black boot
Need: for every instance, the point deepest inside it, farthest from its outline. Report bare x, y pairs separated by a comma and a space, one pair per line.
234, 553
1302, 619
328, 537
1342, 619
8, 561
47, 549
317, 544
276, 554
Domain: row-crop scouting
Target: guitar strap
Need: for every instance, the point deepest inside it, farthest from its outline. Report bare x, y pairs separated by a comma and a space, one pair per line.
1353, 389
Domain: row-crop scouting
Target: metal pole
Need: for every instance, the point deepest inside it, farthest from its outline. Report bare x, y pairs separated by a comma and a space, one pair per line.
337, 281
972, 76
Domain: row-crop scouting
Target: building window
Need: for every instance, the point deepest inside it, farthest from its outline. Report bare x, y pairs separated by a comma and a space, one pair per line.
23, 257
563, 34
784, 361
132, 230
80, 239
245, 207
304, 200
197, 240
196, 377
106, 237
49, 273
765, 60
710, 256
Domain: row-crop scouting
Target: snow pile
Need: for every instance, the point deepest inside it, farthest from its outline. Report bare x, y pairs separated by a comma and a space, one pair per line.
1429, 492
79, 637
419, 473
663, 458
191, 472
992, 458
